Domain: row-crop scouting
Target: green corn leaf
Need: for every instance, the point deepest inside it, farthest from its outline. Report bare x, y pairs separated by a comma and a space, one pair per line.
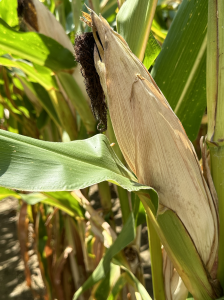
138, 210
66, 202
118, 287
179, 70
36, 48
126, 236
180, 249
151, 52
33, 198
62, 200
77, 98
4, 193
134, 20
29, 164
40, 74
107, 283
8, 12
42, 96
139, 287
66, 166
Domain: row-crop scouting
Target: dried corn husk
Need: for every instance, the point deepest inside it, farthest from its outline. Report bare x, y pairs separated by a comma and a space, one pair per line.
153, 141
39, 18
173, 284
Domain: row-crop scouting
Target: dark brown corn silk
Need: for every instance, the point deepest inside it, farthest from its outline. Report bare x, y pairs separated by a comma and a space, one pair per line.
84, 49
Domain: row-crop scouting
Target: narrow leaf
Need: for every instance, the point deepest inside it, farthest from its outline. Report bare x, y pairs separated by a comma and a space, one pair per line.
126, 236
62, 200
117, 287
151, 52
78, 100
38, 73
179, 70
4, 193
134, 22
43, 97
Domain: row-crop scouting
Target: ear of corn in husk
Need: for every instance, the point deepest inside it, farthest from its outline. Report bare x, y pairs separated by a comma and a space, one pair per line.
158, 151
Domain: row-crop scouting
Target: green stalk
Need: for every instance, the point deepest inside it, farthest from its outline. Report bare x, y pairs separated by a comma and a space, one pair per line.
124, 202
217, 170
156, 262
105, 197
215, 108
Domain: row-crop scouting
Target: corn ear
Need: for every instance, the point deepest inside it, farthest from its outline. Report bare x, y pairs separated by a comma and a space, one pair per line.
158, 151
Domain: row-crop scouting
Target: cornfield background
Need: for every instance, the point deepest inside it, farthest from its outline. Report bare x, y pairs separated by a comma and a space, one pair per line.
89, 240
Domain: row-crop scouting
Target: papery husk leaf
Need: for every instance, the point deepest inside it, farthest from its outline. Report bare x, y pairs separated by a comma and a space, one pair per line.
48, 25
174, 286
157, 150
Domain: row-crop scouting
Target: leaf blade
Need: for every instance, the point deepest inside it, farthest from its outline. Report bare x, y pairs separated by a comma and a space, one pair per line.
179, 69
67, 166
35, 47
126, 236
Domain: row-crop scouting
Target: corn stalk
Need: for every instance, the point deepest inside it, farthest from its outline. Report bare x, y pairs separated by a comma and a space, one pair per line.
215, 108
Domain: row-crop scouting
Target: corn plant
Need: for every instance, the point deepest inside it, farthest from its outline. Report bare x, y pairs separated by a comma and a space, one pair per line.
117, 109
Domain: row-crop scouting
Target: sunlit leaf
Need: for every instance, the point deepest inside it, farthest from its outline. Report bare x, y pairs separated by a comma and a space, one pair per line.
179, 70
42, 96
151, 52
38, 73
134, 20
117, 287
8, 12
4, 193
36, 48
62, 200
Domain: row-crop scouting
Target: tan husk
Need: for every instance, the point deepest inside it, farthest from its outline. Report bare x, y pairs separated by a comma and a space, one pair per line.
153, 141
173, 284
49, 26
